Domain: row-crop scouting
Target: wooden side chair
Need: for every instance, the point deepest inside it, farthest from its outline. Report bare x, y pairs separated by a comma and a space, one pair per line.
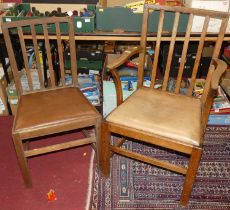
162, 116
52, 108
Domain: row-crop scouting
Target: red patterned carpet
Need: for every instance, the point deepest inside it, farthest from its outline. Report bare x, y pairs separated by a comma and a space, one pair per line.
67, 173
134, 185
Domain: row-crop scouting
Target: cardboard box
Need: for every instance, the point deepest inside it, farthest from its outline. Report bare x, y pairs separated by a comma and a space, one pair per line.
112, 3
3, 10
217, 5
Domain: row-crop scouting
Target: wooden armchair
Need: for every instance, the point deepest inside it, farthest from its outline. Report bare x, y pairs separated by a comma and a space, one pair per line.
52, 108
163, 117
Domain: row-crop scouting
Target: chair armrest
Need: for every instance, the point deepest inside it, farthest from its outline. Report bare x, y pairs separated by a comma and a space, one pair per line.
118, 62
218, 67
124, 57
221, 67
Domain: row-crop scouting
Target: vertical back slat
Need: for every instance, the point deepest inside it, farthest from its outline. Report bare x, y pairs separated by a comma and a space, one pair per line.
184, 53
73, 53
37, 57
220, 38
13, 62
157, 48
25, 58
48, 53
198, 55
171, 48
143, 46
60, 53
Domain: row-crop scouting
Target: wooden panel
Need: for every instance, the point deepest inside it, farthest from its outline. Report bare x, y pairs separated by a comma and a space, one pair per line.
37, 57
184, 53
13, 62
143, 46
48, 53
171, 48
157, 48
60, 53
25, 58
198, 55
73, 53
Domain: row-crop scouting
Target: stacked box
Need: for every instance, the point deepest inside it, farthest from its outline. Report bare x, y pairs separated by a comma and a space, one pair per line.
113, 18
217, 5
81, 24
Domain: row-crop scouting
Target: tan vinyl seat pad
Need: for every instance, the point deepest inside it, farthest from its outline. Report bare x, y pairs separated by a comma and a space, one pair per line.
161, 113
52, 107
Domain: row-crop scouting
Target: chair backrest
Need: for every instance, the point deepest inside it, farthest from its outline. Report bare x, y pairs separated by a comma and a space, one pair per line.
180, 18
175, 24
43, 56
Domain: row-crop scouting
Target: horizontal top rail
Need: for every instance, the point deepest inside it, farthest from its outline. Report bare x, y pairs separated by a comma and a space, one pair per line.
195, 11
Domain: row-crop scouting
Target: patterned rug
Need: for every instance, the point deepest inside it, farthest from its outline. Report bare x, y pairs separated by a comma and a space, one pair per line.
135, 185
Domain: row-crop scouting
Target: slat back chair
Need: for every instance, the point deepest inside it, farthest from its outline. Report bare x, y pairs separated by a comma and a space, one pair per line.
43, 26
163, 117
43, 109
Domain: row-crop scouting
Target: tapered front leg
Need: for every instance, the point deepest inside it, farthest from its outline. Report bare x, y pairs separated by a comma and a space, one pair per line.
22, 160
191, 175
105, 149
97, 147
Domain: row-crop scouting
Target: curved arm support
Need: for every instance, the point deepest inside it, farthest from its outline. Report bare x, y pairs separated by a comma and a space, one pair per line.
124, 57
118, 62
217, 69
118, 86
221, 67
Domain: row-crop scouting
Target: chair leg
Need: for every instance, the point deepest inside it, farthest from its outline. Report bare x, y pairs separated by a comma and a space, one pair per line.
97, 146
22, 160
190, 175
104, 150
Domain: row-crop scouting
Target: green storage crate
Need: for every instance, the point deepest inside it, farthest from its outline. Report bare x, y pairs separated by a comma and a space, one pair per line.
111, 18
85, 64
81, 24
96, 65
89, 64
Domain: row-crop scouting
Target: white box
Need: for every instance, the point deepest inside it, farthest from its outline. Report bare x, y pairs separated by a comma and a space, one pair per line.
217, 5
